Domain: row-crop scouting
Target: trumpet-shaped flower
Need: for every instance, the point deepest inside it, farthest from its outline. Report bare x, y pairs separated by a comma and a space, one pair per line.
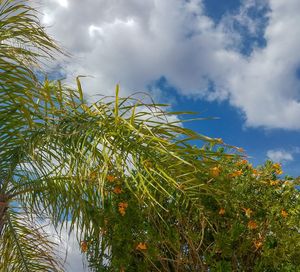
215, 171
117, 190
284, 213
141, 246
222, 211
84, 246
252, 225
111, 178
122, 206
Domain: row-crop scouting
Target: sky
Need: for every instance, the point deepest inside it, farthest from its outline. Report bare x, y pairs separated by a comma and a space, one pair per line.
238, 60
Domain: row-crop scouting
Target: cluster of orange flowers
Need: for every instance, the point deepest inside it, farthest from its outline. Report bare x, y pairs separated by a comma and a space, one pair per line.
216, 171
236, 173
252, 224
84, 246
277, 168
241, 162
122, 208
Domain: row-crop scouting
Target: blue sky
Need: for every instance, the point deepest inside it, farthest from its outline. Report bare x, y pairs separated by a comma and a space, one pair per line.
238, 60
216, 9
228, 123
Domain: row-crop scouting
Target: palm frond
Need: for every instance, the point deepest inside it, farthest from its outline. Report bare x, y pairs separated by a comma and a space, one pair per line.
24, 246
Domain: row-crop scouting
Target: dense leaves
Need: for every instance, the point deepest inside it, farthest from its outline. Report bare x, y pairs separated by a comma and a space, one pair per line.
251, 223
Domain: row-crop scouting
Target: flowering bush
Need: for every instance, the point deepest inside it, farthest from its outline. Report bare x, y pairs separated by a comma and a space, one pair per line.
254, 221
246, 219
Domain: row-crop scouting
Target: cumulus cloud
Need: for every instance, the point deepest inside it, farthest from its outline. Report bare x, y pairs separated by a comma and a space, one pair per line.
67, 248
135, 42
280, 155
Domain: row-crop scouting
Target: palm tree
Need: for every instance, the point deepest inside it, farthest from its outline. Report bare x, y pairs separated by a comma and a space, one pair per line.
124, 178
65, 160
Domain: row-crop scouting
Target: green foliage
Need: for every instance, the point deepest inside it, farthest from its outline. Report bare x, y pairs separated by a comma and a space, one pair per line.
256, 226
125, 179
249, 223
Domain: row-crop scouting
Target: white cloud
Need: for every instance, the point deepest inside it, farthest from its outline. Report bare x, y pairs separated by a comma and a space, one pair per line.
266, 87
280, 155
68, 249
136, 42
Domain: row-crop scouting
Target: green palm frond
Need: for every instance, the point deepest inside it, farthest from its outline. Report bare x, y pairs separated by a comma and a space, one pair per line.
22, 42
25, 246
23, 39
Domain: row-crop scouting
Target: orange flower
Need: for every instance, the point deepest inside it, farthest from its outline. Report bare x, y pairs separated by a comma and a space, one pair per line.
111, 178
117, 190
123, 205
236, 173
122, 211
141, 246
84, 246
242, 162
222, 211
248, 212
122, 208
252, 225
277, 166
215, 171
258, 244
284, 213
274, 182
255, 172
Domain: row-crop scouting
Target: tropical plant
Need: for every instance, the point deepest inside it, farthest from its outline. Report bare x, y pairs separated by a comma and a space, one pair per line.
249, 221
255, 221
60, 154
124, 178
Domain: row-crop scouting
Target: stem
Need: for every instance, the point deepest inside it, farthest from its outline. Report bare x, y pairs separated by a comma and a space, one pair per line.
3, 209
